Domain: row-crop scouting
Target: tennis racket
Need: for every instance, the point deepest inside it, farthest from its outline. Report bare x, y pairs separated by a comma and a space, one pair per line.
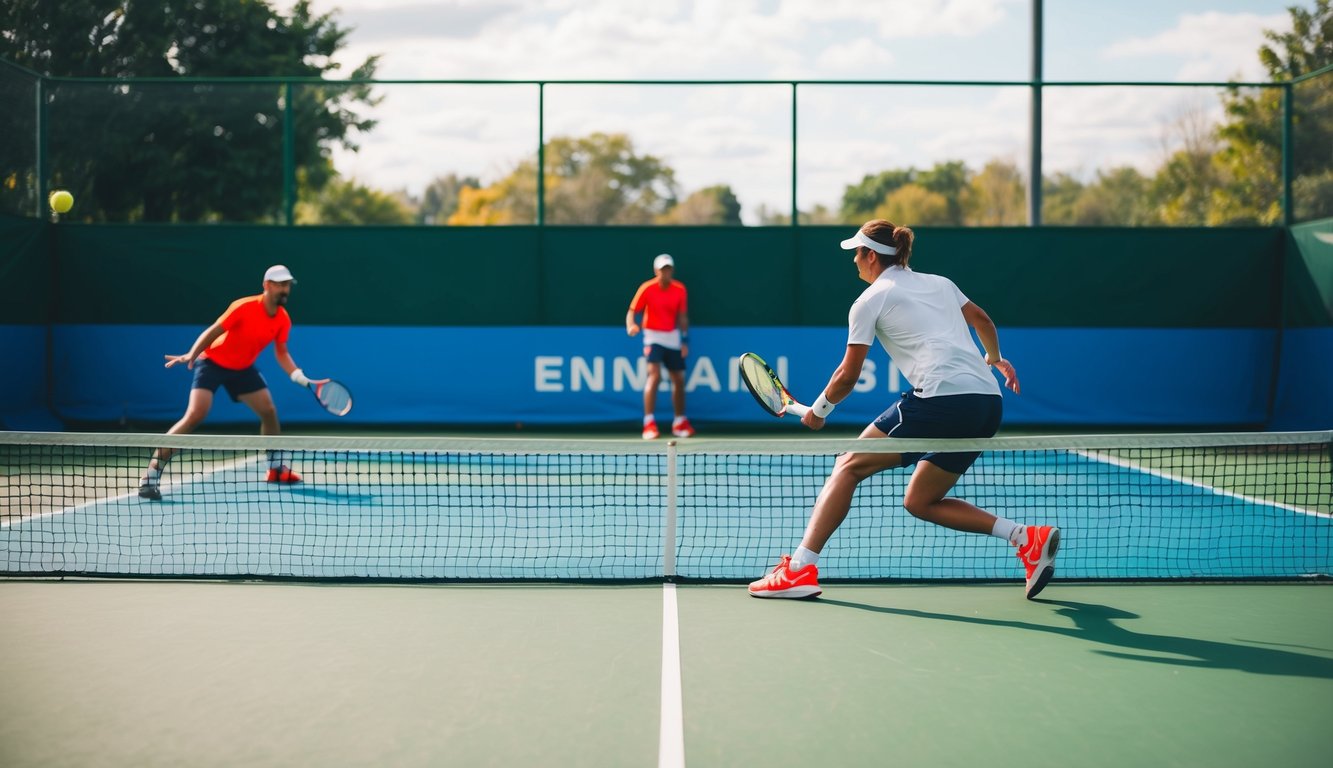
333, 395
767, 388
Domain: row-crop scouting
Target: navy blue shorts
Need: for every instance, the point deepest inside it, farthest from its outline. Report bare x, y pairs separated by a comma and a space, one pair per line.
209, 375
671, 358
942, 416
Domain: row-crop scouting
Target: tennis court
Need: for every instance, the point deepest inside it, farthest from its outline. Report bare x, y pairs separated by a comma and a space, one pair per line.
169, 673
921, 651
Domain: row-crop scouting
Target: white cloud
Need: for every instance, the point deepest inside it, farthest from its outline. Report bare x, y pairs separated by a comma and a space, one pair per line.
1214, 46
902, 18
853, 57
742, 135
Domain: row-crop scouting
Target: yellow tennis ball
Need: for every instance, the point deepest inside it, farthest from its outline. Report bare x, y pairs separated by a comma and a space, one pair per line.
61, 201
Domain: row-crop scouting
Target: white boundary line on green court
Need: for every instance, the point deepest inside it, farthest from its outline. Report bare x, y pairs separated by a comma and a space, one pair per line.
671, 739
1127, 464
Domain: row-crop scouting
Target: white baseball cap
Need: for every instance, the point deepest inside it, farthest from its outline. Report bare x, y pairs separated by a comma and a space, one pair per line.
278, 274
663, 260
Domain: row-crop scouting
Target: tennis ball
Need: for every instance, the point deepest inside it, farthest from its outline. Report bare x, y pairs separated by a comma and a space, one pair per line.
61, 201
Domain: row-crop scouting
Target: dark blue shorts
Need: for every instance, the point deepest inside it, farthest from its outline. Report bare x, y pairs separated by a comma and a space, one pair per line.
942, 416
672, 359
209, 375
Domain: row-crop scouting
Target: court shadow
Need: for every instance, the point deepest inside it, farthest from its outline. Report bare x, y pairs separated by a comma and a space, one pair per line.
1097, 624
325, 493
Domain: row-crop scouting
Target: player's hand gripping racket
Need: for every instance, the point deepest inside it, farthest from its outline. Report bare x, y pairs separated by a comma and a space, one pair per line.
333, 395
767, 388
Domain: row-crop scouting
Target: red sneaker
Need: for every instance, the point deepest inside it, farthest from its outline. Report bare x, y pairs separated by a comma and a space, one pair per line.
282, 475
682, 428
650, 431
1038, 556
782, 581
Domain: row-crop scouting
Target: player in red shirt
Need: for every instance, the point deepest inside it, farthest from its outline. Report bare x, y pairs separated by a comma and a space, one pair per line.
666, 341
224, 356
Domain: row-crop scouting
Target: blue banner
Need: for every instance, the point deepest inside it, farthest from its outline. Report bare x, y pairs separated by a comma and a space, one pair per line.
582, 375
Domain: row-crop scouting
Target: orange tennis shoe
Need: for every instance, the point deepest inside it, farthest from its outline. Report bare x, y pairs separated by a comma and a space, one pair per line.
1038, 556
682, 428
282, 475
782, 581
650, 431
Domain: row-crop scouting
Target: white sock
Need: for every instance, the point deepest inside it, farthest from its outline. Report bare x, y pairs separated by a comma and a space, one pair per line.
649, 420
676, 421
1010, 531
803, 557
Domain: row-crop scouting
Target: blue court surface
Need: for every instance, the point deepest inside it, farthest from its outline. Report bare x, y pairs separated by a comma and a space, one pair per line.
388, 515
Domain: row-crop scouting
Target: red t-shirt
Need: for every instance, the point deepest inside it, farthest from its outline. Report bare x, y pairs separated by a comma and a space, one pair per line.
249, 328
661, 307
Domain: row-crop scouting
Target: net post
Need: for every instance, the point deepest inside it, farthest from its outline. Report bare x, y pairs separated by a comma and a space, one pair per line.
669, 518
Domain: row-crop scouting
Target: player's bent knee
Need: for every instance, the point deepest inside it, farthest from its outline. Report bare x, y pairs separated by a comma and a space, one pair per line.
919, 506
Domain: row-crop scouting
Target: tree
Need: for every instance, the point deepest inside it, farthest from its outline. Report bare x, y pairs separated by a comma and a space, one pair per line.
710, 205
595, 179
860, 200
948, 179
996, 197
1250, 159
1059, 198
1115, 199
349, 203
189, 151
914, 205
440, 200
1182, 191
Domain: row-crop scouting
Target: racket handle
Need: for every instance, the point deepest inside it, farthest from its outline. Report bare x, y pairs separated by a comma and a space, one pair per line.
796, 409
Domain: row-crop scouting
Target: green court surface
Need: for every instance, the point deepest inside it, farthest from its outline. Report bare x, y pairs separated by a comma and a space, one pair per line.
121, 673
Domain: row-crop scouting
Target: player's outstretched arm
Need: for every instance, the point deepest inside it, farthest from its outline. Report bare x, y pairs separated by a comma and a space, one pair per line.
840, 385
205, 340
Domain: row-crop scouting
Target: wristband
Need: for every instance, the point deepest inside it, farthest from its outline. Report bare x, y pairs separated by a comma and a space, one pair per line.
822, 407
299, 377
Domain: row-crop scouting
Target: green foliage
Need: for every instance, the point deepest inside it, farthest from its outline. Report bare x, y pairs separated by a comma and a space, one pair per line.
996, 197
349, 203
1250, 160
914, 203
859, 201
710, 205
594, 179
183, 151
440, 200
1114, 198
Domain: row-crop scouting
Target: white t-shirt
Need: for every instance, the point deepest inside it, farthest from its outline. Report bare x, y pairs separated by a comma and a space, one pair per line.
917, 319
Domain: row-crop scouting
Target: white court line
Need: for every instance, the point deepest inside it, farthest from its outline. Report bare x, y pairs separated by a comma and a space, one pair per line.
671, 742
1126, 464
233, 464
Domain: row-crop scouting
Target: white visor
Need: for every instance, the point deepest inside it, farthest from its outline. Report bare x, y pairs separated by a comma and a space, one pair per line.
860, 239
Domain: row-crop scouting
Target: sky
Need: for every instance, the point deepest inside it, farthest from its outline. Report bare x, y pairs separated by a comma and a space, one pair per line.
742, 135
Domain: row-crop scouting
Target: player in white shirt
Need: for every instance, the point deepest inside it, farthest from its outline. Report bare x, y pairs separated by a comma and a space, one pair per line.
923, 322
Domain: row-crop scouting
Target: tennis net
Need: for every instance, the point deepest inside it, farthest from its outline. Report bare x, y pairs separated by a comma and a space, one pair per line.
1212, 506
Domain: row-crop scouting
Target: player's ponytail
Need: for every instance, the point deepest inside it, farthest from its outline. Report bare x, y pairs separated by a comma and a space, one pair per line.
902, 240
